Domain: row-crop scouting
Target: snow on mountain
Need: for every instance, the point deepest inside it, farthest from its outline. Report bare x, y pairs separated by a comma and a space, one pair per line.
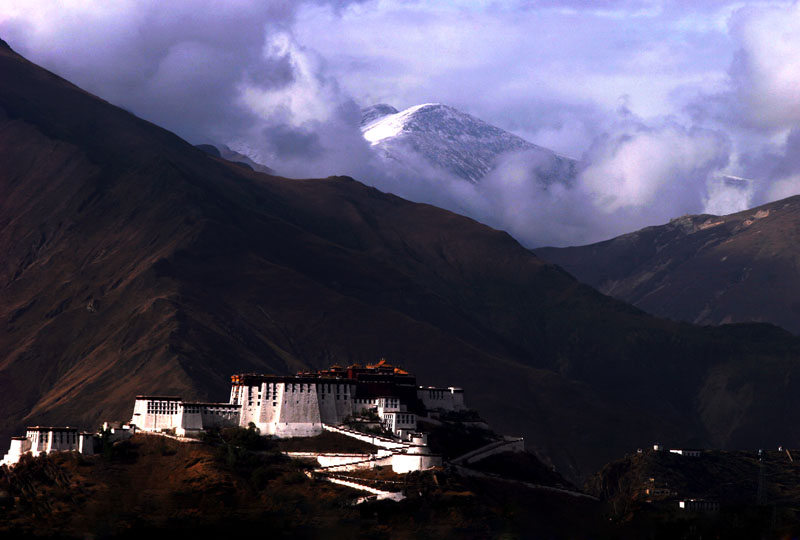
454, 141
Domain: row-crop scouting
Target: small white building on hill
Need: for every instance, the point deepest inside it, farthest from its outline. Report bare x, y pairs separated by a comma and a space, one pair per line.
445, 399
44, 440
162, 413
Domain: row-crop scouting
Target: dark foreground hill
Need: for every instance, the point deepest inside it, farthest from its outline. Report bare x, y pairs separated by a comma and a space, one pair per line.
157, 488
757, 496
136, 263
703, 269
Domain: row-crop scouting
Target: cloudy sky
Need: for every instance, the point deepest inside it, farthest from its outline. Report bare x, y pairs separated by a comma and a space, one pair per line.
659, 100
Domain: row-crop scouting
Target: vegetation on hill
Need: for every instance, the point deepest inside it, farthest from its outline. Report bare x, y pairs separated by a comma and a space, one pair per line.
157, 486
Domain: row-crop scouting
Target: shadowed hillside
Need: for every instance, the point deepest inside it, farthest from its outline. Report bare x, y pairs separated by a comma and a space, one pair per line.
703, 269
136, 263
758, 497
153, 487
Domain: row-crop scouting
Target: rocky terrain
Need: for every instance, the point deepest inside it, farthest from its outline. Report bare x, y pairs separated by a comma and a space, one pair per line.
703, 269
136, 263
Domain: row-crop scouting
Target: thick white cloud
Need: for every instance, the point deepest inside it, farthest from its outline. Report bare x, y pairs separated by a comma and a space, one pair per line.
727, 195
634, 177
661, 168
766, 70
785, 187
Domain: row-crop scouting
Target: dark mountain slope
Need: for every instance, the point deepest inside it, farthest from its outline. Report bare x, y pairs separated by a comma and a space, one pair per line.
703, 269
135, 263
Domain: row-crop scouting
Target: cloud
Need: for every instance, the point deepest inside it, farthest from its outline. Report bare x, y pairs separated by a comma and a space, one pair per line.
286, 141
777, 165
785, 187
284, 83
187, 65
766, 70
226, 72
639, 167
501, 61
728, 194
635, 176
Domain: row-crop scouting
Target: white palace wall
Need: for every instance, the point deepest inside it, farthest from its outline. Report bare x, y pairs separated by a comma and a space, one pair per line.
403, 463
295, 409
160, 413
448, 399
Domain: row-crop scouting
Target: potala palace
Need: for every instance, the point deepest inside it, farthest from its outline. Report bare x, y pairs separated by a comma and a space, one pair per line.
302, 405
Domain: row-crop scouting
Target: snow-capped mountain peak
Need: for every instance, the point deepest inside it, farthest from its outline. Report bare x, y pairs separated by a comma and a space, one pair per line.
392, 125
451, 140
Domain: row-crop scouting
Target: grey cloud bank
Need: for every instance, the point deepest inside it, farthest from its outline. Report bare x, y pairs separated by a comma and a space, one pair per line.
659, 100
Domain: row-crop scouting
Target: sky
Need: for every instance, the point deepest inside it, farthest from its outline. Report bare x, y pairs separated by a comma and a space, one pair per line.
662, 102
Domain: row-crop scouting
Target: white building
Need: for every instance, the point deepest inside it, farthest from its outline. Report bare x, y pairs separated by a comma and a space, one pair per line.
442, 399
401, 423
44, 440
699, 505
299, 405
162, 413
294, 406
685, 452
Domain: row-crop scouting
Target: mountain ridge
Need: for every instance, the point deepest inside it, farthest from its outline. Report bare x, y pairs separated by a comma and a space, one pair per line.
705, 269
